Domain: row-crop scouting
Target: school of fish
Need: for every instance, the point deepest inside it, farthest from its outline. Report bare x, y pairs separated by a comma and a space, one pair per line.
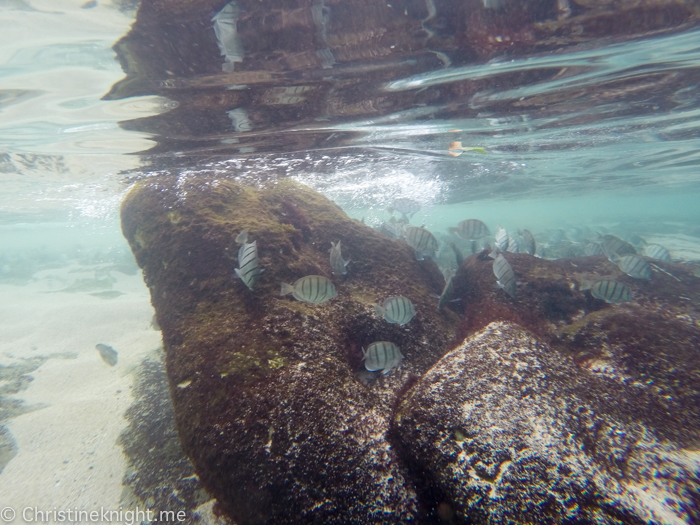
385, 355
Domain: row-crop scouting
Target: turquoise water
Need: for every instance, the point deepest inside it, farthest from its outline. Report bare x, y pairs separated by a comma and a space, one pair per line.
600, 133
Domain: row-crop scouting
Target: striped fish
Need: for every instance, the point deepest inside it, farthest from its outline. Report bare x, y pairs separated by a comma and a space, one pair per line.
471, 229
656, 251
529, 245
613, 246
634, 266
593, 248
249, 267
502, 239
381, 355
504, 274
398, 310
513, 244
338, 265
610, 291
421, 240
405, 206
392, 228
311, 289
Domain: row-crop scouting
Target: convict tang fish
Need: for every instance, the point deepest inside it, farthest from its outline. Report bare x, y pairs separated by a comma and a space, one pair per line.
382, 355
311, 289
338, 265
249, 267
504, 275
421, 240
634, 266
398, 310
471, 229
610, 291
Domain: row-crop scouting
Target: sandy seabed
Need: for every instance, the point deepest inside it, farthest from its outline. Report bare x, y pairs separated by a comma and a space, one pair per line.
72, 409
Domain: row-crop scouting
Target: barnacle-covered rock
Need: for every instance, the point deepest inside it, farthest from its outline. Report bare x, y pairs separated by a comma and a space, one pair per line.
505, 429
272, 402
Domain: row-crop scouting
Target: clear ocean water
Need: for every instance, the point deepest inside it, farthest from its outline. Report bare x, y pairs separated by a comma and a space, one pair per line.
597, 133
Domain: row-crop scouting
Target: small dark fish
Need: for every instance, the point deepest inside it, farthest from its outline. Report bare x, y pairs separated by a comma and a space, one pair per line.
249, 270
610, 291
448, 289
421, 240
471, 229
656, 251
338, 265
381, 355
405, 206
311, 289
528, 244
634, 266
107, 353
504, 274
398, 310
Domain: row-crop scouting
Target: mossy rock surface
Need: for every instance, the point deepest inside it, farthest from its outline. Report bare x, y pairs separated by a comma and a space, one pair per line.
505, 429
272, 402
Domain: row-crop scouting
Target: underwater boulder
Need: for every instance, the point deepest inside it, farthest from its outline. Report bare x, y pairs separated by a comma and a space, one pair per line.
272, 402
505, 429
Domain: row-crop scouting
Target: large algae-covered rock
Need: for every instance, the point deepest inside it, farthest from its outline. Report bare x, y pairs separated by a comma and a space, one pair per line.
653, 340
508, 430
267, 390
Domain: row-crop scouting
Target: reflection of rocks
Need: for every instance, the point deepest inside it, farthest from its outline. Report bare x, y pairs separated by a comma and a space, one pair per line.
509, 431
294, 65
267, 390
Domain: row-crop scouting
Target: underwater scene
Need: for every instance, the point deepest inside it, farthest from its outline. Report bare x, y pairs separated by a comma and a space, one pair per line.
350, 262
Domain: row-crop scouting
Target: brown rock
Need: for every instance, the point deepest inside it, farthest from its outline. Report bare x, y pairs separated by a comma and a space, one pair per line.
267, 390
504, 429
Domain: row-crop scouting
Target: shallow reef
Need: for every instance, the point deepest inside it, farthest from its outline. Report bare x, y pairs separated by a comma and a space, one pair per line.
554, 406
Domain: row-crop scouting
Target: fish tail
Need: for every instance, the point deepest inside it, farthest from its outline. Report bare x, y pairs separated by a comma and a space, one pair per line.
242, 237
452, 230
379, 310
286, 289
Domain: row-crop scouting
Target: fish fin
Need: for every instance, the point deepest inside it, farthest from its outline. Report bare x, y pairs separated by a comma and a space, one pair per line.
379, 310
238, 273
386, 371
242, 237
454, 153
286, 289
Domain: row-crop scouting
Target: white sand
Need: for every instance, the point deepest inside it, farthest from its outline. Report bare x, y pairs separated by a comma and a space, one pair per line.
68, 455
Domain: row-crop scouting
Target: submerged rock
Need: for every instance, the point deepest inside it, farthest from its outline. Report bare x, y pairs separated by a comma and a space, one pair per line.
271, 399
505, 429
